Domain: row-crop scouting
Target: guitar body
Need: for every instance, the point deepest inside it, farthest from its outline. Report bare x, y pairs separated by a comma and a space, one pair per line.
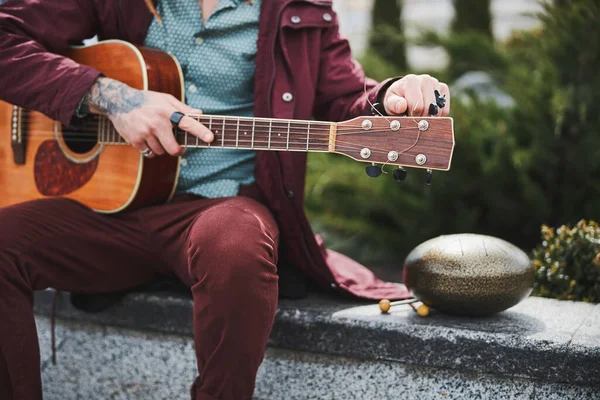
40, 158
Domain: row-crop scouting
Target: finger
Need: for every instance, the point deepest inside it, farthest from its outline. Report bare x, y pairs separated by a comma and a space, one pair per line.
194, 127
428, 86
155, 145
444, 90
164, 134
139, 143
414, 98
395, 104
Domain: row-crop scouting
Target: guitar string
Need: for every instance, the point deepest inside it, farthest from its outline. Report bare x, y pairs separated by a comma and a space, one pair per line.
263, 146
273, 139
303, 149
272, 132
273, 143
318, 125
93, 130
294, 131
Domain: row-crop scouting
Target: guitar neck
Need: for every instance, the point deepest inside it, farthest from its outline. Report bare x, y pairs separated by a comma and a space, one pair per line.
249, 133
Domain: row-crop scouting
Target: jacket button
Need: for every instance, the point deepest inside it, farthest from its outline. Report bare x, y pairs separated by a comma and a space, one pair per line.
290, 194
287, 97
327, 17
295, 19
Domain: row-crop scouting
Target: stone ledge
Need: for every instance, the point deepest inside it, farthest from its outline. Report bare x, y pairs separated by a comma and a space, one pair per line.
556, 341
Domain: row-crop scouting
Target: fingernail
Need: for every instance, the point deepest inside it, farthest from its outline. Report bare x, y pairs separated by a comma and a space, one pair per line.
433, 109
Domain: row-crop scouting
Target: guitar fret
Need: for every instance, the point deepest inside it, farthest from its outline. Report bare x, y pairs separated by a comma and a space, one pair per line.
237, 134
210, 126
287, 145
197, 138
253, 125
223, 134
308, 136
270, 131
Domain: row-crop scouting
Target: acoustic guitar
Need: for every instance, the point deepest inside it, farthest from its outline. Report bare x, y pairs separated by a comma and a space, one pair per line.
92, 164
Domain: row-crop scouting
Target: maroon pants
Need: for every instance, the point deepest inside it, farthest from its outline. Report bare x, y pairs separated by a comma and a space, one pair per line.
225, 250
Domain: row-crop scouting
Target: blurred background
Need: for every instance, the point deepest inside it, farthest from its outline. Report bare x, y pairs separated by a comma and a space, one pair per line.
525, 83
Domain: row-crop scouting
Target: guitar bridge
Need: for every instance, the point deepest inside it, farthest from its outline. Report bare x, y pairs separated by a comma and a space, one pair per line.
18, 138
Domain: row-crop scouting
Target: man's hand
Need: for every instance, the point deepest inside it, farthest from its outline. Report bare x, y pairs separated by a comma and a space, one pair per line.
415, 94
142, 117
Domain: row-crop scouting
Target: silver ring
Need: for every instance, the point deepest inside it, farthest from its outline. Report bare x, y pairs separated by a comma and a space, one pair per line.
147, 152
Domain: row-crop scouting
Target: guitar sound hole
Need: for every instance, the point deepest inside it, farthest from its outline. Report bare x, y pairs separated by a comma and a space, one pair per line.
82, 136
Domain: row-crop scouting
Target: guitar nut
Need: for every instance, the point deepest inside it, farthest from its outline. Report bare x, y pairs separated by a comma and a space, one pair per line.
367, 124
423, 125
365, 153
395, 125
392, 156
420, 159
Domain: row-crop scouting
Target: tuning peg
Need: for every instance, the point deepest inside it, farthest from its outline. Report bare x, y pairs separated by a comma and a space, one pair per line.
428, 177
400, 174
373, 171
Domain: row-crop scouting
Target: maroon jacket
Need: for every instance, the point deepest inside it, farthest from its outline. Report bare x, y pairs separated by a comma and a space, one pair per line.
308, 59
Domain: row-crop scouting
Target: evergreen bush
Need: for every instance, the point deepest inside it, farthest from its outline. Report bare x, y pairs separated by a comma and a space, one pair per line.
567, 262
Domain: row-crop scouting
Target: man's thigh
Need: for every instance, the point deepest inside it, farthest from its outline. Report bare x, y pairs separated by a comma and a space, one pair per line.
62, 244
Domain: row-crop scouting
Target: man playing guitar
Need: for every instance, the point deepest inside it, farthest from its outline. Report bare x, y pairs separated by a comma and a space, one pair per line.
236, 222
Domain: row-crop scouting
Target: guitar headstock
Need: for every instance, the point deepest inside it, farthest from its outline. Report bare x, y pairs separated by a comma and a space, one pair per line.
419, 142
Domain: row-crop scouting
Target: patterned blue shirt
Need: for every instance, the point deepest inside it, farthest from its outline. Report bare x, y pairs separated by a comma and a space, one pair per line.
217, 59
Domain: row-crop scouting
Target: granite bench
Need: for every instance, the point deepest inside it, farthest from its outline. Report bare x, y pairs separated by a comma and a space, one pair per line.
327, 347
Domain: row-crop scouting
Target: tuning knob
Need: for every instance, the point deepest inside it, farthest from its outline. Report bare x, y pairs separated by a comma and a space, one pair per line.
400, 174
428, 177
373, 171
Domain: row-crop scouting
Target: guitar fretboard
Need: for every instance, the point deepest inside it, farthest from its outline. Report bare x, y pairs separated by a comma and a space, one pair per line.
248, 133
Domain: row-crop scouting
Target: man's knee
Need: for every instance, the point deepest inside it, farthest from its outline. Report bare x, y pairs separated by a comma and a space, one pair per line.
239, 238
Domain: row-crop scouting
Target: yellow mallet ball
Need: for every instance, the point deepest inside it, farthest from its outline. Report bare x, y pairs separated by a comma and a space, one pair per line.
423, 310
385, 305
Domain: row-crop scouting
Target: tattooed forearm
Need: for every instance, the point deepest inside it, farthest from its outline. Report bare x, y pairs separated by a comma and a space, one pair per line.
110, 97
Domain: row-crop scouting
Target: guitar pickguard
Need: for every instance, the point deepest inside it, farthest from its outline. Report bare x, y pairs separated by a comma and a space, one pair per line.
56, 175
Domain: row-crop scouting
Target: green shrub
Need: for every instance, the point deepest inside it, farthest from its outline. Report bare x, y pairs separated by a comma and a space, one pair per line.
567, 262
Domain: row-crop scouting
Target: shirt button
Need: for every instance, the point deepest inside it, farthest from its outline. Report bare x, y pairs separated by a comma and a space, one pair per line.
198, 40
192, 89
290, 194
327, 17
287, 97
183, 162
295, 19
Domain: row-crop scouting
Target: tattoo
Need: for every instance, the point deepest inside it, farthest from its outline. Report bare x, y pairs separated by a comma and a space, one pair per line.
110, 97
